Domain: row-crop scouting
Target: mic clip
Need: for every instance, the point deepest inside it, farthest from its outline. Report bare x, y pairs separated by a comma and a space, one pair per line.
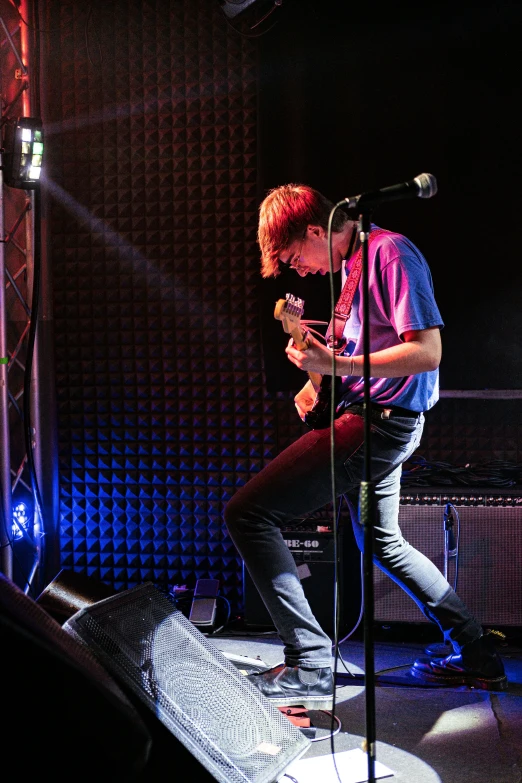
449, 537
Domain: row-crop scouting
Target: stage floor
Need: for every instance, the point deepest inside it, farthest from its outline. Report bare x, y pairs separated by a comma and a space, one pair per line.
423, 734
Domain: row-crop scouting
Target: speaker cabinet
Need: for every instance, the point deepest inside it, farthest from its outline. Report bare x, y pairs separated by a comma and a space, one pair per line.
150, 647
487, 569
64, 709
69, 592
314, 555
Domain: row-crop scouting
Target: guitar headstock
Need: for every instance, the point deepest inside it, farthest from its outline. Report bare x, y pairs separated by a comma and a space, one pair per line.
289, 311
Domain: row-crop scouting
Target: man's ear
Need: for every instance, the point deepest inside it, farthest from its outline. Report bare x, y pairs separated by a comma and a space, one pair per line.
317, 231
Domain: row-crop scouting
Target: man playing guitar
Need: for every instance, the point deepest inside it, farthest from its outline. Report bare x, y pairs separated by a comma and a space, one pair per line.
405, 352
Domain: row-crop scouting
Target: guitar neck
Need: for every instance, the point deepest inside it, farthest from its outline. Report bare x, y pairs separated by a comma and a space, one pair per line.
302, 344
316, 379
299, 339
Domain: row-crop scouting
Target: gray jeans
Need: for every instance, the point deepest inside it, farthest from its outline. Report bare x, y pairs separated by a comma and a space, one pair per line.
298, 482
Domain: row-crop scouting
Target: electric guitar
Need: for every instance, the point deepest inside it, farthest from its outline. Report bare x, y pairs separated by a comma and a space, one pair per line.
290, 311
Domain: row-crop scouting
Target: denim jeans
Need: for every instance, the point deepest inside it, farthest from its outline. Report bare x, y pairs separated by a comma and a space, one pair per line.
298, 482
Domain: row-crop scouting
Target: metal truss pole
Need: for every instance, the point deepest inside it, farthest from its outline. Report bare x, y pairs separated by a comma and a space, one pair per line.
28, 431
43, 383
6, 554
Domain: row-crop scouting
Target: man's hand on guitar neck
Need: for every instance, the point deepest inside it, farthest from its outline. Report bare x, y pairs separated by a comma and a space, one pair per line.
316, 358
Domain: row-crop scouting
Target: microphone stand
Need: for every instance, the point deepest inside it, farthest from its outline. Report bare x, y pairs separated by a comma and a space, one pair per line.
367, 509
450, 550
450, 547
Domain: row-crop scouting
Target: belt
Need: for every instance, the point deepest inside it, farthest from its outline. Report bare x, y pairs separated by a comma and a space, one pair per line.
385, 411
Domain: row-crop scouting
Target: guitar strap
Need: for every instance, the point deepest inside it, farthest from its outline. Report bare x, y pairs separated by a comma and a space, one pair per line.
335, 339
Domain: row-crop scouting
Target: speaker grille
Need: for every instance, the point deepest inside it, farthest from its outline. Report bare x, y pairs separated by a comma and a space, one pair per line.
202, 698
489, 577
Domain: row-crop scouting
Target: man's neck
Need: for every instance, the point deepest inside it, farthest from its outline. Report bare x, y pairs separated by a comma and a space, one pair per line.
351, 239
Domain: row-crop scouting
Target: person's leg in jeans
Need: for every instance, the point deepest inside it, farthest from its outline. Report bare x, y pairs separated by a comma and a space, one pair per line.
293, 485
475, 662
296, 483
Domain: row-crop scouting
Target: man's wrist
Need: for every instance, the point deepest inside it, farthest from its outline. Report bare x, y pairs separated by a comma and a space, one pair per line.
344, 366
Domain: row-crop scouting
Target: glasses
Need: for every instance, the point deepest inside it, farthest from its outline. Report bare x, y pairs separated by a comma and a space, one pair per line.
293, 262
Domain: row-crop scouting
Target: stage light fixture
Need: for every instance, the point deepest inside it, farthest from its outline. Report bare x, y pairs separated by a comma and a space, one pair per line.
23, 152
233, 8
20, 520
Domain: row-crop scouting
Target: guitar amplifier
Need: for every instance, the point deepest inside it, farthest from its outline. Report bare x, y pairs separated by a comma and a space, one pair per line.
313, 550
486, 569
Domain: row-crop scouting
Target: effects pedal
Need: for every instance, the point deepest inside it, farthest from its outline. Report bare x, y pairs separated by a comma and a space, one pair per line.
204, 602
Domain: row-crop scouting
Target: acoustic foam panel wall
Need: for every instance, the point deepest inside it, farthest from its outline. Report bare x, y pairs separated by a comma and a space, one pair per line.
159, 372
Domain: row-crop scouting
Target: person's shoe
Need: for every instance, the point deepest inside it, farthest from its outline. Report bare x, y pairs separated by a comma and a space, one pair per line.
477, 665
287, 686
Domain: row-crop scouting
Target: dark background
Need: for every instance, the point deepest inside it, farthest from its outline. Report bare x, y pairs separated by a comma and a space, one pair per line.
165, 125
355, 97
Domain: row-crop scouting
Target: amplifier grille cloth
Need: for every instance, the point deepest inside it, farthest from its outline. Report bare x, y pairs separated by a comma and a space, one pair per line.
489, 562
202, 698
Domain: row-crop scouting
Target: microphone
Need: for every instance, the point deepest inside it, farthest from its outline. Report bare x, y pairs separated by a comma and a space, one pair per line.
448, 528
423, 186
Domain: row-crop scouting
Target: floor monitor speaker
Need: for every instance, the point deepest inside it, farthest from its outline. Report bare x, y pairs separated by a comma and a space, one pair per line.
181, 677
63, 709
69, 592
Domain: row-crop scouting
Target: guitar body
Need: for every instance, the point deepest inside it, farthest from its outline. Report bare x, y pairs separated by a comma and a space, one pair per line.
319, 416
290, 311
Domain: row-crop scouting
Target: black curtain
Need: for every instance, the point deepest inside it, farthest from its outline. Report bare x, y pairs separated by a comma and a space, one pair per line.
352, 100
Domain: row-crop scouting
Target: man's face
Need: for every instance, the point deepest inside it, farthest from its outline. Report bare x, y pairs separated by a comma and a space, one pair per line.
308, 255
